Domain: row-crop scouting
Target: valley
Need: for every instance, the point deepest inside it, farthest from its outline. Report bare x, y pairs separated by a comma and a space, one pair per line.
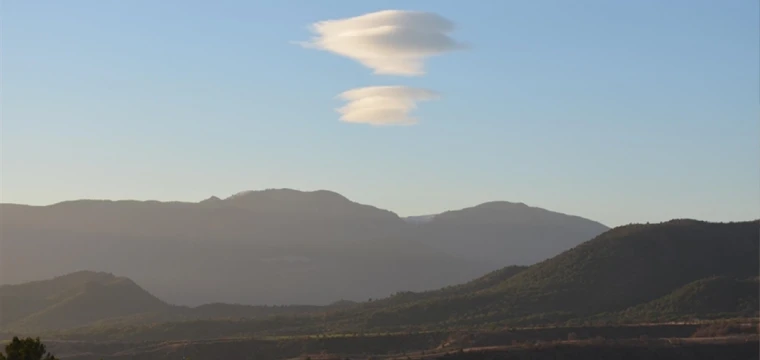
639, 286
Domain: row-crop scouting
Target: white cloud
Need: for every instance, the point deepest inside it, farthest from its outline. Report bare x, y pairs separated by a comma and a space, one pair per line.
393, 42
382, 105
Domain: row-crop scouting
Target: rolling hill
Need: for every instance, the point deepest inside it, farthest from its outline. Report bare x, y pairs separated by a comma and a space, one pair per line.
88, 298
622, 268
74, 300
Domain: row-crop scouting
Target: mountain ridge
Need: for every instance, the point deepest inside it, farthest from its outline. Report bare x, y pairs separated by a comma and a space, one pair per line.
242, 195
293, 246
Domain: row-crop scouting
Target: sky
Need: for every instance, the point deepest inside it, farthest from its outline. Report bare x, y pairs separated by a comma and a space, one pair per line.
618, 111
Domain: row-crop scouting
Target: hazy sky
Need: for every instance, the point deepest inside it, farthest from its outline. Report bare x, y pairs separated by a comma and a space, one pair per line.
620, 111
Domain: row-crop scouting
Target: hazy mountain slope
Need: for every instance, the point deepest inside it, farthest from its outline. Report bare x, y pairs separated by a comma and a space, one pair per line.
261, 247
623, 267
74, 300
284, 246
503, 233
87, 298
19, 301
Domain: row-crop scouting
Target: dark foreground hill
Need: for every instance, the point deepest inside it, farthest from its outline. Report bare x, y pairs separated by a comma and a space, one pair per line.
275, 246
718, 296
620, 269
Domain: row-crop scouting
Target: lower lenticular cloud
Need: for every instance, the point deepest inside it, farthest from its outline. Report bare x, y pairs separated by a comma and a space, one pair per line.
382, 105
392, 42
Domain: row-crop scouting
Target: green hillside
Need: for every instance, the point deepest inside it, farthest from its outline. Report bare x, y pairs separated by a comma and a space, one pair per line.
621, 268
482, 283
713, 297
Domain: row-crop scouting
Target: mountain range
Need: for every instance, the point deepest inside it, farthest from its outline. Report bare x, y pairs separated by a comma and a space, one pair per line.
277, 246
677, 270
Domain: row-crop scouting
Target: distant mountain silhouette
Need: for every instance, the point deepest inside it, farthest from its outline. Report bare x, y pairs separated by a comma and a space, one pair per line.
276, 246
503, 233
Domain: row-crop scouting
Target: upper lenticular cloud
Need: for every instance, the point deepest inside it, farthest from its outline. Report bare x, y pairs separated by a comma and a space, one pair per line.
392, 42
382, 105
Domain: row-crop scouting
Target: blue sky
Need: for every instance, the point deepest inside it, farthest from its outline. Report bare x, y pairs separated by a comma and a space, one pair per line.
620, 111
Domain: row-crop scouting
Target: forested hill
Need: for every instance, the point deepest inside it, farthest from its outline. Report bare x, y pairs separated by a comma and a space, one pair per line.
620, 269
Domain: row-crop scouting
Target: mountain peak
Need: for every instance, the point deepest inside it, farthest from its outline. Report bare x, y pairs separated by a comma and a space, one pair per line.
285, 193
501, 205
323, 203
497, 211
84, 276
287, 198
501, 227
212, 199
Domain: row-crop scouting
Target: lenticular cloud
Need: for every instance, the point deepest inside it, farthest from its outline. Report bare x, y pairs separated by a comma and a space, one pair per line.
382, 105
391, 42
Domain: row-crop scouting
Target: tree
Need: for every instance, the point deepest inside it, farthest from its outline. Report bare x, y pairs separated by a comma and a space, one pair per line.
26, 349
